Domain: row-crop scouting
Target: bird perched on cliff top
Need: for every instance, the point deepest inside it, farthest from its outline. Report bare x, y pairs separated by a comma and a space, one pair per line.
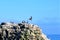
30, 18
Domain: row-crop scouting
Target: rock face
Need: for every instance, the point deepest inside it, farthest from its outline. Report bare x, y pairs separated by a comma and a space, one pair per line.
21, 31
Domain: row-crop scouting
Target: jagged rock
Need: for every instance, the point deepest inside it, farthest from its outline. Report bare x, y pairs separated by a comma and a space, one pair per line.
21, 31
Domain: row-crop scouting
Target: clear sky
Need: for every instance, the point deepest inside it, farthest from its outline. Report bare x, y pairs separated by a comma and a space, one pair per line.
45, 13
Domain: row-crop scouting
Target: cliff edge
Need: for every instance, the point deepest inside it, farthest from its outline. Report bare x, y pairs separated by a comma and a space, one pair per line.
21, 31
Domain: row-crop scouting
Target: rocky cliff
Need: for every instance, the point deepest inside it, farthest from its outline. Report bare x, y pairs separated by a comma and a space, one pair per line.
21, 31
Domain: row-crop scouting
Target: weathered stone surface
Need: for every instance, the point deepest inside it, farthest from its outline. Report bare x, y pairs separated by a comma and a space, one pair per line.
21, 31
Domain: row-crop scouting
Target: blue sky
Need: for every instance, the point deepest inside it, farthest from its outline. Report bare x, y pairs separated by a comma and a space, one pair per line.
45, 13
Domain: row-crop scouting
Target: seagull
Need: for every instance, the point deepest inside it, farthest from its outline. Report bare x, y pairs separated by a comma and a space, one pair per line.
30, 18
